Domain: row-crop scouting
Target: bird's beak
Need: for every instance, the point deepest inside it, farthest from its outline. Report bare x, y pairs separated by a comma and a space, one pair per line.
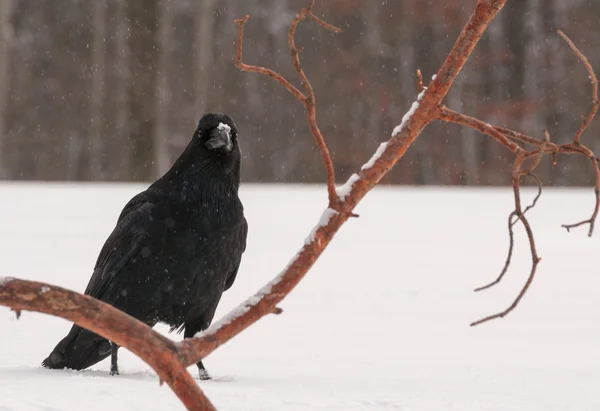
219, 138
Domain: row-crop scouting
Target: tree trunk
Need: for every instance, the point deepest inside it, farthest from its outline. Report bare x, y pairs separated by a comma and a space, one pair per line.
204, 54
123, 154
162, 158
6, 36
144, 56
97, 154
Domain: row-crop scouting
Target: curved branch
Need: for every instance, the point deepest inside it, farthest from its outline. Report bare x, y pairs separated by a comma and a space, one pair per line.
592, 220
595, 101
511, 234
156, 350
535, 259
257, 69
309, 102
423, 112
511, 245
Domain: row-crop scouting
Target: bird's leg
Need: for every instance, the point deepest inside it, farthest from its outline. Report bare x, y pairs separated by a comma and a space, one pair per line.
114, 366
190, 330
202, 373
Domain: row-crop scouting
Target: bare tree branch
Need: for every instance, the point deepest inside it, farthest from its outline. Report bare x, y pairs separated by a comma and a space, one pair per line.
257, 69
535, 259
546, 146
592, 220
595, 101
511, 235
424, 111
158, 351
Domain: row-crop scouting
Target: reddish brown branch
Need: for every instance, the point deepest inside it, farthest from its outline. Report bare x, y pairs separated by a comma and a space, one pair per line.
592, 220
262, 70
309, 103
595, 101
158, 351
308, 99
324, 24
541, 146
450, 116
356, 188
511, 234
511, 245
420, 85
516, 180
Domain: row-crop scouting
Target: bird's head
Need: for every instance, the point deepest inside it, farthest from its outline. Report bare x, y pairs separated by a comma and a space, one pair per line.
217, 135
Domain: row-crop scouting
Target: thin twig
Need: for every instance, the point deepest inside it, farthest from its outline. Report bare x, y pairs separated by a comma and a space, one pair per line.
595, 101
592, 220
511, 235
420, 85
324, 24
451, 116
511, 244
262, 70
517, 173
505, 136
309, 104
537, 196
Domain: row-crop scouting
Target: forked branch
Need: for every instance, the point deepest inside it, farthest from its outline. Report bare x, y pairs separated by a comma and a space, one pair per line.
595, 101
308, 99
519, 215
510, 139
156, 350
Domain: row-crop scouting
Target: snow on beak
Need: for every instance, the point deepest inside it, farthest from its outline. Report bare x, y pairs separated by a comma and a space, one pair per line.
220, 137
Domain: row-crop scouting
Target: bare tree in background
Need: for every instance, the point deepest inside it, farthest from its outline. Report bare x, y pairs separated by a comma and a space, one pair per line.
203, 57
97, 152
169, 359
123, 76
162, 159
143, 58
370, 65
6, 36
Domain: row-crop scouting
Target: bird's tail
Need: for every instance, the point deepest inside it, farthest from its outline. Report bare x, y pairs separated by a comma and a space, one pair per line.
80, 349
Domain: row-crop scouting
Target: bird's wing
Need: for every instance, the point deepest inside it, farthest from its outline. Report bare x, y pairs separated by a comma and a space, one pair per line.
123, 243
241, 247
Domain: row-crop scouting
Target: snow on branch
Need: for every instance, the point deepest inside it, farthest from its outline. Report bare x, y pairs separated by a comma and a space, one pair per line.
347, 196
156, 350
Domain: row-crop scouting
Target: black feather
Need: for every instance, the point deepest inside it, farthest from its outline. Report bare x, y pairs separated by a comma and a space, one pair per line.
176, 247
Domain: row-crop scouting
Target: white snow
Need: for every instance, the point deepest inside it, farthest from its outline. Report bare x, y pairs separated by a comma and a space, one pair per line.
409, 114
343, 190
223, 126
375, 156
323, 221
4, 280
380, 323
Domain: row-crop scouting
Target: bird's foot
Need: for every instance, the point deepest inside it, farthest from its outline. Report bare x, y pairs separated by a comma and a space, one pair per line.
114, 370
204, 375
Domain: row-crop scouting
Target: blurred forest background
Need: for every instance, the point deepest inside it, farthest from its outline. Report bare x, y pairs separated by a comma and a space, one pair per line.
113, 89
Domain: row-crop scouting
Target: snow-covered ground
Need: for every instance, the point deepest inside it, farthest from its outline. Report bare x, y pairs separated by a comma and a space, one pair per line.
380, 323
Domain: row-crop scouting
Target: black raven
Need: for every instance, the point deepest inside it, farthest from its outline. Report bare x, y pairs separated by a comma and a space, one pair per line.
176, 247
